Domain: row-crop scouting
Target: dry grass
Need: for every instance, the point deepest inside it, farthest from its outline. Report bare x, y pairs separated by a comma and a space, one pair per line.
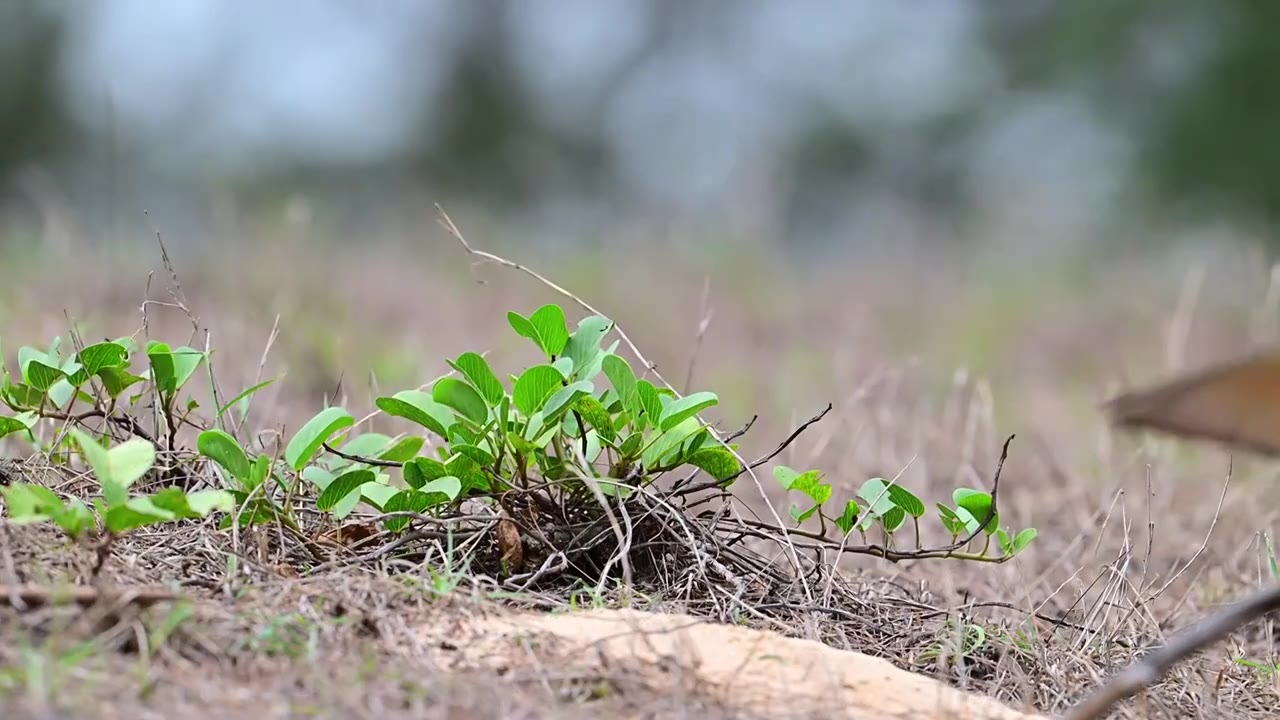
1138, 538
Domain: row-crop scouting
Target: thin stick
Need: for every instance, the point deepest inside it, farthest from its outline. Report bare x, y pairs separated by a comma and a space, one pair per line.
705, 313
1151, 668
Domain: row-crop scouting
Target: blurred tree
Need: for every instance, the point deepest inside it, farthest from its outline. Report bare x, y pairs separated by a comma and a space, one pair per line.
1204, 128
32, 123
1215, 147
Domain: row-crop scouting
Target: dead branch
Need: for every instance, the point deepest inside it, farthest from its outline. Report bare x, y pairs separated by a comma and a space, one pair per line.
1151, 668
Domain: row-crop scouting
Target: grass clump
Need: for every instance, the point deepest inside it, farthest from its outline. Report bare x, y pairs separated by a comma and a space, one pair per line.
562, 466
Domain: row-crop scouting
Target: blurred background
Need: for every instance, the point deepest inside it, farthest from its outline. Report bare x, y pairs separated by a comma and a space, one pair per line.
821, 126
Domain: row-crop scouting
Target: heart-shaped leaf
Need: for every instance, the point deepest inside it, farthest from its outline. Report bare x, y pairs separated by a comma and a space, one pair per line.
457, 394
584, 344
342, 486
303, 446
534, 386
219, 446
102, 355
419, 407
979, 505
118, 468
716, 461
477, 371
849, 518
686, 407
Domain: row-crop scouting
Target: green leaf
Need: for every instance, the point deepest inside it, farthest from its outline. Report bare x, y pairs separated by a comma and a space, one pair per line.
258, 472
592, 369
524, 328
27, 502
367, 445
404, 501
656, 453
137, 512
244, 395
849, 518
649, 401
474, 368
197, 504
716, 461
801, 515
303, 446
40, 376
785, 476
477, 454
448, 486
909, 503
466, 470
405, 449
685, 408
551, 328
954, 524
1023, 539
117, 380
876, 494
534, 386
219, 446
172, 368
630, 447
118, 468
810, 484
418, 407
457, 394
130, 460
565, 367
595, 415
60, 393
377, 493
1004, 542
419, 471
98, 356
345, 484
546, 328
205, 501
18, 423
969, 522
584, 344
22, 395
623, 380
695, 443
560, 401
978, 504
75, 520
893, 519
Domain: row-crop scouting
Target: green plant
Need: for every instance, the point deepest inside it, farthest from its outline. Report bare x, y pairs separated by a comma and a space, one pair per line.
887, 505
553, 423
1264, 668
576, 431
118, 510
956, 641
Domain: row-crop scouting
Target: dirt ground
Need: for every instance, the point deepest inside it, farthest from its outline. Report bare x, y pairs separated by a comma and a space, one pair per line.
1138, 537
